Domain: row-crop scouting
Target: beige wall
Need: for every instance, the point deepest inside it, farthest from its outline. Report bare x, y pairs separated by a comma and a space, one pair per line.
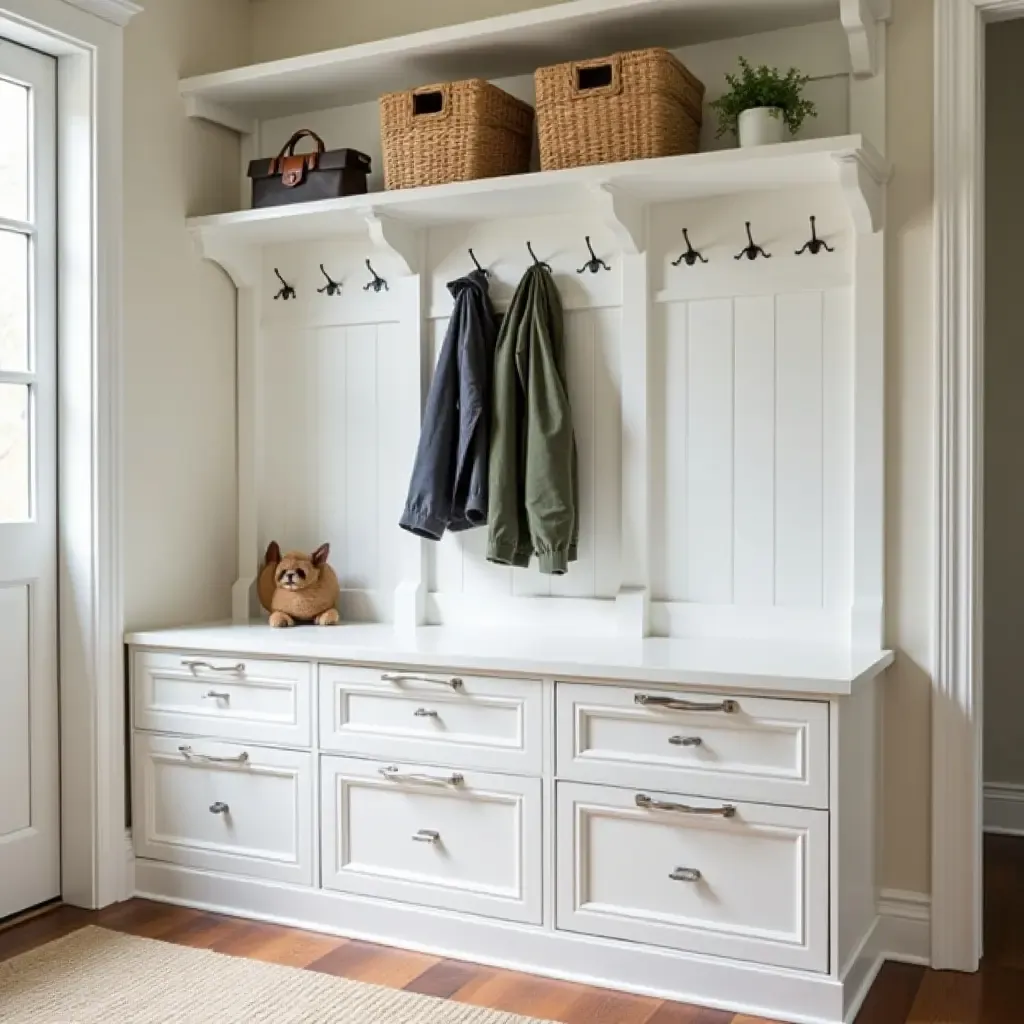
286, 27
1004, 410
179, 354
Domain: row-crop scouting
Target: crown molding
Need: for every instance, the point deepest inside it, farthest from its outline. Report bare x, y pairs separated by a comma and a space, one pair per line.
120, 12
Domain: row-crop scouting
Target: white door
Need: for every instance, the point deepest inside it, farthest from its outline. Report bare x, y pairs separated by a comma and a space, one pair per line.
29, 767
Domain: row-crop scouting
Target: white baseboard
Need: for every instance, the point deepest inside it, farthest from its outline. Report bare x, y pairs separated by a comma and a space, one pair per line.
904, 926
1004, 808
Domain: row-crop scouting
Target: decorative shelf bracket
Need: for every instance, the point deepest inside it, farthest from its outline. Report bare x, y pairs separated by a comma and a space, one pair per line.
203, 109
243, 264
863, 186
864, 22
623, 214
396, 239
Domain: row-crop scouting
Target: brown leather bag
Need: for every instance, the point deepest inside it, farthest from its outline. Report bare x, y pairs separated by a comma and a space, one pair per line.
292, 177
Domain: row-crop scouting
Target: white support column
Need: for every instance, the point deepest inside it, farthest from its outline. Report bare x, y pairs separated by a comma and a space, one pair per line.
633, 597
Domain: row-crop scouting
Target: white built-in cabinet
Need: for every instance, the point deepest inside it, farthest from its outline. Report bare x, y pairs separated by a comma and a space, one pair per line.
657, 772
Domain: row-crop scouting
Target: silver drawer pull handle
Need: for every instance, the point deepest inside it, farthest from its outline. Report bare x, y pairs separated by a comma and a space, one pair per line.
424, 713
393, 774
454, 682
217, 695
219, 808
686, 741
190, 755
685, 875
643, 800
427, 835
730, 707
193, 666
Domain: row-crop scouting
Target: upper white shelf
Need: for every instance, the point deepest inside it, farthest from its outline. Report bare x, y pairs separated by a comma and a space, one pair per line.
617, 193
508, 45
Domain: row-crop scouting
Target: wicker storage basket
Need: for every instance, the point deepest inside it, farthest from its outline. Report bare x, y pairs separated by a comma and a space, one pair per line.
453, 132
629, 106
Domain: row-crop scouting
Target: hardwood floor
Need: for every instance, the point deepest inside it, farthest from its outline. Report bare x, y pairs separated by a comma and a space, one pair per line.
902, 994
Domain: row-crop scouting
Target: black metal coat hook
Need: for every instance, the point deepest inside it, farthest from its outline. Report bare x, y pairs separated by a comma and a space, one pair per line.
287, 291
815, 244
476, 263
594, 264
537, 262
752, 251
377, 283
691, 255
332, 287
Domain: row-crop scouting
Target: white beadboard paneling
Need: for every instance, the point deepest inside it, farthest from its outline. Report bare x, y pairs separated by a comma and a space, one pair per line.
837, 447
754, 518
798, 455
709, 493
607, 450
328, 379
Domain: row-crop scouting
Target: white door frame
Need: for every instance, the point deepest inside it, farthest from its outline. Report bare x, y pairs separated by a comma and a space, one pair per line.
86, 38
956, 908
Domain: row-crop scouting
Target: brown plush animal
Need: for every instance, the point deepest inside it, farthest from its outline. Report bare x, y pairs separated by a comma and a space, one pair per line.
298, 588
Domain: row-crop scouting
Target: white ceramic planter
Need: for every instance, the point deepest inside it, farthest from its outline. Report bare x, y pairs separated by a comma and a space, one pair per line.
759, 128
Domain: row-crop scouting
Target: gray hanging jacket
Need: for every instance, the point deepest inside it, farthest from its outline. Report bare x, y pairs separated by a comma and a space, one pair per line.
448, 488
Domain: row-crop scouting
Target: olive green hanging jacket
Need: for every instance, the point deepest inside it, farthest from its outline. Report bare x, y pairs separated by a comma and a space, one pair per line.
532, 476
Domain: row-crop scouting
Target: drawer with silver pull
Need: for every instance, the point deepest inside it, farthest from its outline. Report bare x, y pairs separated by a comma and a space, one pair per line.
455, 839
441, 717
749, 748
725, 878
224, 807
231, 698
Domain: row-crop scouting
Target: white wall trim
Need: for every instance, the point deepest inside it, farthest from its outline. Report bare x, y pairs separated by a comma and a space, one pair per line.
119, 12
904, 926
90, 146
1004, 808
956, 705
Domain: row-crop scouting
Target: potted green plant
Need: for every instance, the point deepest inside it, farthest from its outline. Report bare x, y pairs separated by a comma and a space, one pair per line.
761, 102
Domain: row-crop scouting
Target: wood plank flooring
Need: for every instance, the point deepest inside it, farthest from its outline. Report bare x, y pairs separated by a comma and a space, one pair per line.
902, 994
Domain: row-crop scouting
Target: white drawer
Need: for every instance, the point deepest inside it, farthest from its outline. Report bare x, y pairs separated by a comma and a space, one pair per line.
231, 698
481, 722
465, 841
753, 886
225, 807
775, 751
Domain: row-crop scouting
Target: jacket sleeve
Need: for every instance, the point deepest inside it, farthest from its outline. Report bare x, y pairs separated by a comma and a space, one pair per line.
507, 542
550, 477
429, 503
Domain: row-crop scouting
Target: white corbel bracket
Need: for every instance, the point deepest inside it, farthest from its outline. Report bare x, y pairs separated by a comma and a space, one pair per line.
199, 107
242, 264
862, 178
623, 214
397, 239
863, 21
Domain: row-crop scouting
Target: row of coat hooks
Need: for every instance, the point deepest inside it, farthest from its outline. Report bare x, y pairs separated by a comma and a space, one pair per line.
814, 245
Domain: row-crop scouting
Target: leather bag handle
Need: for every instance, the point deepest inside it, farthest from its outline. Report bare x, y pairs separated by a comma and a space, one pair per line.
288, 149
590, 78
292, 168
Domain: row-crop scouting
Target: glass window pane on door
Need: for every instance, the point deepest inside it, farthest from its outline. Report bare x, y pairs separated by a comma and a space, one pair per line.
15, 479
14, 143
14, 293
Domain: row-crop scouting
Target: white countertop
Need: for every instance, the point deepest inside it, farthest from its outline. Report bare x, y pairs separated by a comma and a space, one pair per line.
802, 669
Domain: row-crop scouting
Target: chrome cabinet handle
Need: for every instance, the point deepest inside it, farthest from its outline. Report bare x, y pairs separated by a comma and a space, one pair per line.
454, 682
219, 808
190, 755
393, 774
216, 695
685, 875
643, 800
193, 665
686, 741
424, 713
426, 835
730, 707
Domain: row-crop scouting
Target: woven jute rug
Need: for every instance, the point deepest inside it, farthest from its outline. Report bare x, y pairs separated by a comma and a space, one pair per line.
96, 976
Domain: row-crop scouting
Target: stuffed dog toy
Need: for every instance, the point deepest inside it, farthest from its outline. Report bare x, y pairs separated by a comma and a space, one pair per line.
298, 588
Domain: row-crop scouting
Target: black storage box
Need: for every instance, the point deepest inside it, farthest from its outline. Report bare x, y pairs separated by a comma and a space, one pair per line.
300, 178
